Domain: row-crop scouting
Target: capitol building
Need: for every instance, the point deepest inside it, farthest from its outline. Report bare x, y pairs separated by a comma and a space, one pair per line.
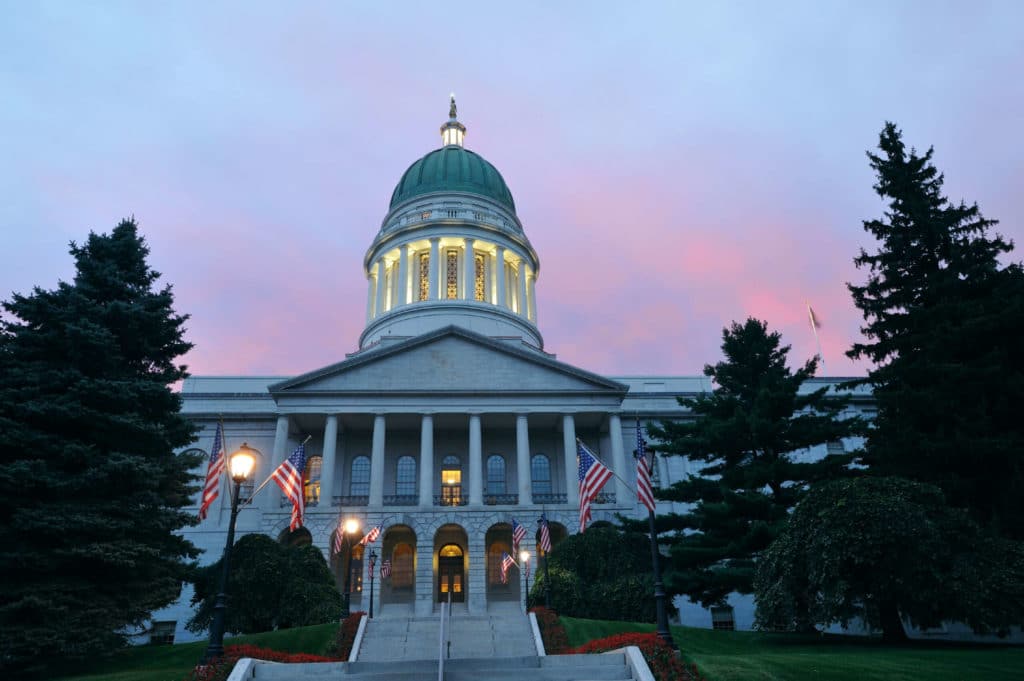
449, 419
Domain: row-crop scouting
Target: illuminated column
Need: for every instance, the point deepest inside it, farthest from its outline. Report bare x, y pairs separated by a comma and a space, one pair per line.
371, 288
476, 479
327, 463
622, 492
435, 263
377, 462
572, 478
380, 286
523, 274
403, 274
468, 271
523, 459
533, 297
427, 460
499, 275
273, 500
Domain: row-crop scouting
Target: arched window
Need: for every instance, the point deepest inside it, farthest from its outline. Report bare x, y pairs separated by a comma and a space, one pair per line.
311, 480
494, 562
405, 477
495, 475
402, 569
359, 481
540, 472
451, 481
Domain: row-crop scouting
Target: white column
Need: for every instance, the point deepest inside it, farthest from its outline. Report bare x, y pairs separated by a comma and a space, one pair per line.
427, 460
435, 266
623, 495
468, 271
524, 270
371, 288
533, 297
499, 274
327, 463
381, 276
377, 462
403, 274
572, 478
476, 479
523, 459
273, 500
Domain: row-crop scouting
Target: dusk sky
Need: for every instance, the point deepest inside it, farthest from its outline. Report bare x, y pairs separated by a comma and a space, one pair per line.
676, 166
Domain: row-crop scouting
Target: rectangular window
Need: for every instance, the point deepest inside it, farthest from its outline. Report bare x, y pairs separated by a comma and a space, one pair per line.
722, 618
162, 633
451, 267
479, 278
424, 276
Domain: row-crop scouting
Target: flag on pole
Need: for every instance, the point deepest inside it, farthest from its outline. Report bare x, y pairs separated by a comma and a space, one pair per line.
643, 474
288, 477
385, 569
507, 561
593, 476
518, 535
213, 472
339, 536
371, 536
545, 534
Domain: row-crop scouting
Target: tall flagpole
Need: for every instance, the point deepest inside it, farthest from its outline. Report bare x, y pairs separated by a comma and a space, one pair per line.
661, 611
270, 477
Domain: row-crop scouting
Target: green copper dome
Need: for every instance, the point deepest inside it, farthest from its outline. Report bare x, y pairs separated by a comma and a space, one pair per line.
453, 168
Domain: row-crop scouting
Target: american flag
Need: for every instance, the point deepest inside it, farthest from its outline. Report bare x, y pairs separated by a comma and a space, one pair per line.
518, 535
643, 473
385, 569
593, 476
213, 471
545, 534
371, 536
288, 477
507, 561
339, 536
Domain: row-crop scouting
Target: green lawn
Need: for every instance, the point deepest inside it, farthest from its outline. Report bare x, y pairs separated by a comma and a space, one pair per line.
172, 663
755, 656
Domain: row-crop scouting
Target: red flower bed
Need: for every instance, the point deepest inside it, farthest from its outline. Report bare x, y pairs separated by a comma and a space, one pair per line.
661, 658
221, 668
342, 646
555, 638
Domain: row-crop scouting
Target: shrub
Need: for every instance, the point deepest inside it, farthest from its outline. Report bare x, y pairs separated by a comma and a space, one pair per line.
660, 657
342, 645
552, 632
221, 668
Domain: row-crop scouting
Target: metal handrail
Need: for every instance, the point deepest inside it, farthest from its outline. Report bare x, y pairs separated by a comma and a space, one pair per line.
445, 642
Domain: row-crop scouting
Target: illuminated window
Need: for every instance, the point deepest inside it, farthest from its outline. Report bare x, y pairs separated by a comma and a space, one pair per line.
494, 562
402, 569
391, 284
451, 267
424, 276
356, 568
311, 480
451, 481
359, 481
495, 475
405, 476
479, 277
540, 472
511, 287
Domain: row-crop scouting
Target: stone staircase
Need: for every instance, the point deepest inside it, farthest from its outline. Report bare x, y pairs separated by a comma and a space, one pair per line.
411, 638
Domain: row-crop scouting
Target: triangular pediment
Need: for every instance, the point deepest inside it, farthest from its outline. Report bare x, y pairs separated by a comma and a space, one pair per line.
449, 360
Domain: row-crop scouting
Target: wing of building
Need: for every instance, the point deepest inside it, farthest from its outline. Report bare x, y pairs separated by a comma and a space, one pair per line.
448, 420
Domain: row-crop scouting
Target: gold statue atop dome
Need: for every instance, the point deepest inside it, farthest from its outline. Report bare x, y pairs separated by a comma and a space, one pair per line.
452, 110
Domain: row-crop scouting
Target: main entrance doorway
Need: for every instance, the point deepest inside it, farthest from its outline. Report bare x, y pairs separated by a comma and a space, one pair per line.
450, 574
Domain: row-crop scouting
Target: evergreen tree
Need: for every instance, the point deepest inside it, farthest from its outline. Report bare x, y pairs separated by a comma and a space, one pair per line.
748, 434
944, 322
91, 491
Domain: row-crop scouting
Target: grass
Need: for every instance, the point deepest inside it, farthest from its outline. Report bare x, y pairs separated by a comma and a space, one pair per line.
172, 663
756, 656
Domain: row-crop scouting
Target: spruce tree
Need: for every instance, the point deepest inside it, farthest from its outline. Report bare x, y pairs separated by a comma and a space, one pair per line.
91, 490
944, 322
749, 435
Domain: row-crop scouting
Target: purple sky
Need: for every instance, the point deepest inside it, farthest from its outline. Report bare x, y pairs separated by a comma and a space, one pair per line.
676, 167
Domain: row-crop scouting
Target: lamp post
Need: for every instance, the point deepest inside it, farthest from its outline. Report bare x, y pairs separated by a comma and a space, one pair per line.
373, 564
524, 556
349, 527
241, 465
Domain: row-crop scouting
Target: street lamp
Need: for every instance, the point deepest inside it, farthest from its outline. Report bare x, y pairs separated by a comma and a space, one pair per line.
349, 527
373, 564
524, 556
241, 465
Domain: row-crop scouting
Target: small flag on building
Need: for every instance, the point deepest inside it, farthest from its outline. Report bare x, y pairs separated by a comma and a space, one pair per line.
643, 474
545, 534
385, 569
507, 561
593, 476
213, 472
518, 535
371, 536
288, 477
